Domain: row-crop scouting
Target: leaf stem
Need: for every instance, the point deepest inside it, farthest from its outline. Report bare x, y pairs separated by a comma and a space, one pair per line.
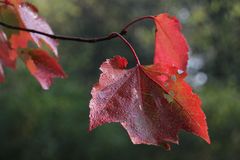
128, 44
125, 29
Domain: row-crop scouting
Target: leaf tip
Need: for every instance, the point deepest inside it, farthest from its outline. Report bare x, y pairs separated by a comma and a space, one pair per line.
119, 62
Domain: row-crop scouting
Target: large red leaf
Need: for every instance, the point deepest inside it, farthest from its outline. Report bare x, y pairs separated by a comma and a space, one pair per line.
171, 48
42, 66
151, 105
30, 18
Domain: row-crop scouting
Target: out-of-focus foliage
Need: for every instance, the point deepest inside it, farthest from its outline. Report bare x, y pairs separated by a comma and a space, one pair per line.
52, 125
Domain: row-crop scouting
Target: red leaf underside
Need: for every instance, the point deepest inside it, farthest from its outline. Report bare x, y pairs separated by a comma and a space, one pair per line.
149, 112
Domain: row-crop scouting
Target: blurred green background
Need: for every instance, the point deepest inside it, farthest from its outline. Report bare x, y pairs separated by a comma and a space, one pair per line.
53, 125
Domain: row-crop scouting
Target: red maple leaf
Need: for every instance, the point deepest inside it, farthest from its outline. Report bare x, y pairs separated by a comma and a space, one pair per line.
150, 104
14, 2
7, 56
171, 48
20, 40
1, 73
29, 18
42, 66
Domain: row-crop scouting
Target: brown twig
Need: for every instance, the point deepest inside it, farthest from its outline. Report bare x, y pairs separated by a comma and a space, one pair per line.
78, 39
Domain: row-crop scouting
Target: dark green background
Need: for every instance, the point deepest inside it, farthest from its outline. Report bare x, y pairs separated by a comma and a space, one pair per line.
53, 125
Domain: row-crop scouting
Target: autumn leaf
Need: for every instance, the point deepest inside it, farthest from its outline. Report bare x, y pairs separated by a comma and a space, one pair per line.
42, 66
29, 17
20, 40
151, 105
7, 56
171, 48
14, 2
1, 73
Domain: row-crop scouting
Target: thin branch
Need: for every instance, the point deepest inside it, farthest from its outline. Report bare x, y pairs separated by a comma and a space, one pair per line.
86, 40
75, 38
125, 29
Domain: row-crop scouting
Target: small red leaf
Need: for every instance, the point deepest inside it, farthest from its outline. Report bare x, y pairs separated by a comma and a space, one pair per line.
7, 56
30, 18
42, 66
151, 109
119, 62
171, 48
20, 40
1, 73
15, 2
